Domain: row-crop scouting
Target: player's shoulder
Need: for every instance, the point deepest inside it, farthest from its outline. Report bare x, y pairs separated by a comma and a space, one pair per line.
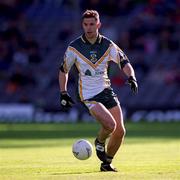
112, 43
74, 43
106, 40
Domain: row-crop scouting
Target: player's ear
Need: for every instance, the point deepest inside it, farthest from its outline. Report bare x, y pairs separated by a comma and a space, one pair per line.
99, 25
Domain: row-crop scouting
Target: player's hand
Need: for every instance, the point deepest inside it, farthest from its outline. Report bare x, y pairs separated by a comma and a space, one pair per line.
66, 100
133, 84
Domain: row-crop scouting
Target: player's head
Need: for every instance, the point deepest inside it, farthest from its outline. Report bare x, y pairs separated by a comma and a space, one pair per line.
91, 23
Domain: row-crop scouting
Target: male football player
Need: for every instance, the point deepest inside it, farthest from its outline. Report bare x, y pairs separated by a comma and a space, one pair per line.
91, 54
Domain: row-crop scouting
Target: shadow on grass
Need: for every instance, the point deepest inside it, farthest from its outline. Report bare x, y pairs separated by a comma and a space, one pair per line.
75, 173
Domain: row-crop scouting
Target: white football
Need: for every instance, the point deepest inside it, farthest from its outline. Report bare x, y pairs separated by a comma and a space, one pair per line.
82, 149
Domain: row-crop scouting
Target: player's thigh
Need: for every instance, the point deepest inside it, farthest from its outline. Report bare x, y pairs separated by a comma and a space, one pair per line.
116, 112
102, 114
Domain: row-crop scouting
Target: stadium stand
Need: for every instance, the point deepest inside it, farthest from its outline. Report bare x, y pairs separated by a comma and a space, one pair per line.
35, 33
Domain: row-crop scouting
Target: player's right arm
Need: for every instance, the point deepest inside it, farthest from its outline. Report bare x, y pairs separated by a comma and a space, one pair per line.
69, 59
63, 79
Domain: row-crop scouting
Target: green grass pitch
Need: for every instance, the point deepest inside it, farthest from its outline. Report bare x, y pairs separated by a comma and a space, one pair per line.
43, 151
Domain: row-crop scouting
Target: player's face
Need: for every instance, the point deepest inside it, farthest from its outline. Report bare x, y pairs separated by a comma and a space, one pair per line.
90, 27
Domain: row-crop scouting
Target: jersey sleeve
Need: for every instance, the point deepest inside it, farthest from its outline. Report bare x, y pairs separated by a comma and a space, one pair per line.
69, 59
118, 56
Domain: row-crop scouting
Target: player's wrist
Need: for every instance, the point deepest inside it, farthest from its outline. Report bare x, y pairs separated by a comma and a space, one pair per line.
132, 78
63, 92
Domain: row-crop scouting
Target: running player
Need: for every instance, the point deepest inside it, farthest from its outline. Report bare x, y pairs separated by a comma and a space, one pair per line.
91, 54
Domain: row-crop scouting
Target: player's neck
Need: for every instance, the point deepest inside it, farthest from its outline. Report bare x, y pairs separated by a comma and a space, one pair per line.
93, 39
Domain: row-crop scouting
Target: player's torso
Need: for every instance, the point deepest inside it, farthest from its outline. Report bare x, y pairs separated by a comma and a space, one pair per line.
92, 64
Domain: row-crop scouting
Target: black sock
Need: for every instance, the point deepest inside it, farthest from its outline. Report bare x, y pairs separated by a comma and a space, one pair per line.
108, 159
100, 142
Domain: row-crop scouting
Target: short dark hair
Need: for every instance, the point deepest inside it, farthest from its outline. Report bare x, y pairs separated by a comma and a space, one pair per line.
91, 14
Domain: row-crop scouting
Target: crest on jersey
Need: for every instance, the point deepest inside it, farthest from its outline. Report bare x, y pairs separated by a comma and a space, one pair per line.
93, 56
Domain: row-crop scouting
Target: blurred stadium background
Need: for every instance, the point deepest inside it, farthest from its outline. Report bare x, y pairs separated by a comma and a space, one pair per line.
35, 33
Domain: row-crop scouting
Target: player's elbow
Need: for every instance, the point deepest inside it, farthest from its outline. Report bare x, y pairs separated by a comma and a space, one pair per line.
61, 69
124, 63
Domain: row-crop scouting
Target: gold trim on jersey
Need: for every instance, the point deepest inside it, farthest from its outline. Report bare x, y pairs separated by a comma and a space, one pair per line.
80, 81
83, 39
100, 38
89, 62
90, 105
92, 102
80, 89
103, 57
82, 57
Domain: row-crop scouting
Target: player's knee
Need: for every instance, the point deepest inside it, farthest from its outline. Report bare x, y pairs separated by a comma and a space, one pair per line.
111, 126
123, 132
120, 133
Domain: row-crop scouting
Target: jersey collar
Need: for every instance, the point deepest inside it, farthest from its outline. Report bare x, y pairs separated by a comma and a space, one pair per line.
98, 40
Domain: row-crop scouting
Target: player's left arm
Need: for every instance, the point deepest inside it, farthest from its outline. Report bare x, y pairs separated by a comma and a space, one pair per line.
119, 57
129, 71
127, 68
